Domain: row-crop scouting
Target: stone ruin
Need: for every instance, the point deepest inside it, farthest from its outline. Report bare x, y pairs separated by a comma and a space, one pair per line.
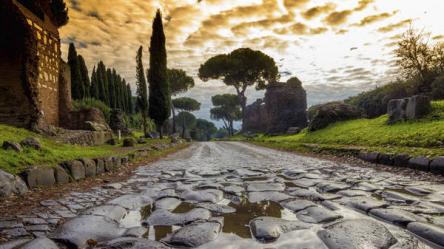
35, 83
405, 109
284, 106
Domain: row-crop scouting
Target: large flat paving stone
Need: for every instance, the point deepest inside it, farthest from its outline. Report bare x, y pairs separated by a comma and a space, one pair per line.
357, 234
113, 212
195, 234
268, 229
167, 203
297, 205
163, 217
217, 208
317, 215
79, 230
39, 243
265, 186
308, 194
364, 203
427, 231
267, 196
132, 201
207, 195
132, 243
396, 216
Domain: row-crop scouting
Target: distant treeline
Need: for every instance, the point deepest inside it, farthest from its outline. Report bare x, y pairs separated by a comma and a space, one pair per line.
105, 84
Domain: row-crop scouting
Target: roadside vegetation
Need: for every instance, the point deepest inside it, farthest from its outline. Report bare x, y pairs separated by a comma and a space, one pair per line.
53, 152
417, 137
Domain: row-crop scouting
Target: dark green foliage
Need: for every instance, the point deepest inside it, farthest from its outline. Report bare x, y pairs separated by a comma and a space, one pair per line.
94, 91
325, 114
142, 90
179, 81
187, 121
77, 88
186, 104
160, 96
227, 109
438, 87
60, 12
203, 130
241, 68
84, 77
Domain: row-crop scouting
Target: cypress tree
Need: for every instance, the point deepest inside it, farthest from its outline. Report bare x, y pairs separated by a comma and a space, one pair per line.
94, 92
129, 99
76, 88
142, 90
160, 97
84, 77
111, 88
103, 83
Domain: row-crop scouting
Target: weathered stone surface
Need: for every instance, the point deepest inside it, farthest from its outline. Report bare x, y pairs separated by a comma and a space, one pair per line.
331, 187
321, 116
265, 186
427, 231
351, 234
40, 243
113, 212
294, 130
132, 243
109, 164
31, 142
307, 194
100, 166
267, 196
132, 201
386, 159
401, 160
39, 176
75, 169
408, 109
209, 195
284, 106
395, 196
298, 205
195, 234
372, 157
268, 229
317, 215
87, 227
117, 162
437, 165
9, 145
95, 126
365, 203
14, 244
90, 167
10, 184
420, 163
60, 175
164, 217
167, 203
396, 216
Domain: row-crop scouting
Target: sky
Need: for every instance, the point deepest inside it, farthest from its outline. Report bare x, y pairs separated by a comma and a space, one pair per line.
337, 48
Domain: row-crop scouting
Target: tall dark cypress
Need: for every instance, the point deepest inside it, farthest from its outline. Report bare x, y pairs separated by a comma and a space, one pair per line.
160, 97
84, 77
111, 88
103, 83
76, 88
94, 91
129, 99
142, 90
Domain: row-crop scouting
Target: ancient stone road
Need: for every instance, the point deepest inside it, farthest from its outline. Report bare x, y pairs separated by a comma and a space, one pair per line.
233, 195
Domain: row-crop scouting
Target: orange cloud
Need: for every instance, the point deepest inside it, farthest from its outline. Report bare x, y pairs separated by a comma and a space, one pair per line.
374, 18
318, 10
392, 27
338, 17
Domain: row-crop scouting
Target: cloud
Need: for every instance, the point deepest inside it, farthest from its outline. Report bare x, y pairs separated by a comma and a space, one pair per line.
395, 26
318, 10
438, 37
338, 17
363, 4
374, 18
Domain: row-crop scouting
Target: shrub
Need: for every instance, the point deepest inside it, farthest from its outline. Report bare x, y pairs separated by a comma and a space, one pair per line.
82, 104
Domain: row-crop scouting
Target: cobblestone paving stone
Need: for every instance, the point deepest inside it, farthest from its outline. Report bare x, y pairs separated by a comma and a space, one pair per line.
232, 195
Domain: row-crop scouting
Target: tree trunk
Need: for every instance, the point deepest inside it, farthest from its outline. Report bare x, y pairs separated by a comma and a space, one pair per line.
145, 132
174, 118
160, 130
243, 104
183, 129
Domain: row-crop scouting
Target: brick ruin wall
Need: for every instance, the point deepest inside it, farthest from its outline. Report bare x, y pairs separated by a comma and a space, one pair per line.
29, 76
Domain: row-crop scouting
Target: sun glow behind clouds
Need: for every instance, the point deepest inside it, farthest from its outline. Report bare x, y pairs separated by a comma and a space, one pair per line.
337, 48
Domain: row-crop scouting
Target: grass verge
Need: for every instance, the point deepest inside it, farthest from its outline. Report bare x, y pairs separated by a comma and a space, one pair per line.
420, 137
52, 152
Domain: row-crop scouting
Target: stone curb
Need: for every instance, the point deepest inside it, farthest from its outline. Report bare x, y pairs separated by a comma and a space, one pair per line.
434, 165
79, 169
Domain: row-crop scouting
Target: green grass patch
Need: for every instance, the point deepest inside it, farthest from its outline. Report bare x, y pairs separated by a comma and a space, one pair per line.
52, 152
420, 137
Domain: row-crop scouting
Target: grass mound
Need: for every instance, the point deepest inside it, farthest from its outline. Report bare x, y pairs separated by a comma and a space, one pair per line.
424, 136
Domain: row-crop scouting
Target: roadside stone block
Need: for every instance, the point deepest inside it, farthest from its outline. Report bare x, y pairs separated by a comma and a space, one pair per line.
61, 176
117, 162
76, 169
125, 160
437, 165
401, 160
9, 145
372, 157
10, 184
90, 167
109, 164
39, 176
386, 159
420, 163
100, 166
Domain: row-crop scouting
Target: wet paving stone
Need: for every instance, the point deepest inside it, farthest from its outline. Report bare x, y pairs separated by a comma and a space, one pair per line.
238, 196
